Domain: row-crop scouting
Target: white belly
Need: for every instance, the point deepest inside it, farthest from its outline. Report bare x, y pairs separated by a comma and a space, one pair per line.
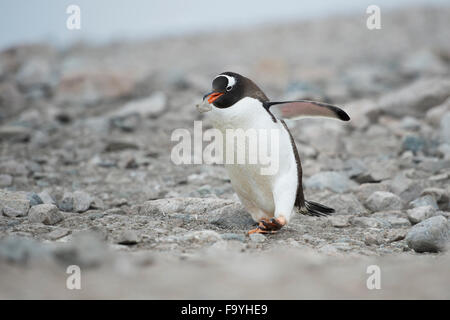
257, 191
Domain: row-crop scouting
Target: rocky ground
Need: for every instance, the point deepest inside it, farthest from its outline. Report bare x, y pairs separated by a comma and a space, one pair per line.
86, 176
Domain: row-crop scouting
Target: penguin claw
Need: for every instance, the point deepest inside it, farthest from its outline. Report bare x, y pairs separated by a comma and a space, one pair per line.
268, 226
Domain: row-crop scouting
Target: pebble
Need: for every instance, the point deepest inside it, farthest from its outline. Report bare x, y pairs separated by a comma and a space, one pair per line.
45, 213
430, 235
81, 201
128, 237
421, 213
257, 237
426, 200
382, 201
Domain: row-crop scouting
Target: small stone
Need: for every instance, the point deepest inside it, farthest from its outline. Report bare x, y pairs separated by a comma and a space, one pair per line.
383, 201
34, 199
14, 204
119, 145
371, 239
339, 221
81, 201
233, 216
430, 235
335, 181
57, 234
128, 237
45, 213
257, 237
427, 200
66, 203
14, 134
46, 198
203, 237
421, 213
367, 222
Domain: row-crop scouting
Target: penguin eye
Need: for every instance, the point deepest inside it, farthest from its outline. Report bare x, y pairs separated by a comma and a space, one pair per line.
229, 88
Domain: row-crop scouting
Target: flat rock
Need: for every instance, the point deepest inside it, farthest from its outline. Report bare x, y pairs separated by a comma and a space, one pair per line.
45, 213
382, 201
430, 235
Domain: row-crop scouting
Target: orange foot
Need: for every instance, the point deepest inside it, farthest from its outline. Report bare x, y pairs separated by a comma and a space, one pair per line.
269, 226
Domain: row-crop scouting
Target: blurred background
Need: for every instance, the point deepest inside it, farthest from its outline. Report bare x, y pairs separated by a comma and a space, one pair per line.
86, 178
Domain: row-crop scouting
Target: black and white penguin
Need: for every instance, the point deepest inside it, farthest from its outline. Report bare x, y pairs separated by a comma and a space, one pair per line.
236, 102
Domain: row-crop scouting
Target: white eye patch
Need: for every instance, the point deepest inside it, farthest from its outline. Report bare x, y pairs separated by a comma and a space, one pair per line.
231, 81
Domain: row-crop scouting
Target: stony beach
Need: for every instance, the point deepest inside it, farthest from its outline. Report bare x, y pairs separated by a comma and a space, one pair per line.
86, 176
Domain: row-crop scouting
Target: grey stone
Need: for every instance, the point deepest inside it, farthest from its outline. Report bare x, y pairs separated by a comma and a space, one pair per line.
421, 213
46, 198
81, 201
14, 134
335, 181
430, 235
57, 234
202, 237
339, 221
382, 201
396, 218
34, 199
344, 204
45, 213
257, 237
14, 204
233, 216
365, 190
128, 237
367, 222
67, 202
426, 200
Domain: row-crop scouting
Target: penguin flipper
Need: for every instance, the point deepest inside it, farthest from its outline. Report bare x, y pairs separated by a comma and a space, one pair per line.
294, 110
316, 209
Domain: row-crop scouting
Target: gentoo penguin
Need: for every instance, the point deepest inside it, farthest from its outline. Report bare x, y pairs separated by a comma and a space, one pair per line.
236, 102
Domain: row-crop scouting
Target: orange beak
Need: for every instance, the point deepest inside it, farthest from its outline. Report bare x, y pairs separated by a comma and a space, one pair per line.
214, 96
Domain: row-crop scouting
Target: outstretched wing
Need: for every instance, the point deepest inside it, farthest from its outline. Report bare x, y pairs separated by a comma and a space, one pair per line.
293, 110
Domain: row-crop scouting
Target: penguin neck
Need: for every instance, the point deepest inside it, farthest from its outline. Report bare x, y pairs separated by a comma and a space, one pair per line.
246, 113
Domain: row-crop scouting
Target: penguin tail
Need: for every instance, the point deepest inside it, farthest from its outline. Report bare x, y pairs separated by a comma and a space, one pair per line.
316, 209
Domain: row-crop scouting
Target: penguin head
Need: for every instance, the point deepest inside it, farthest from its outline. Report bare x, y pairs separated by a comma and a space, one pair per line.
229, 88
